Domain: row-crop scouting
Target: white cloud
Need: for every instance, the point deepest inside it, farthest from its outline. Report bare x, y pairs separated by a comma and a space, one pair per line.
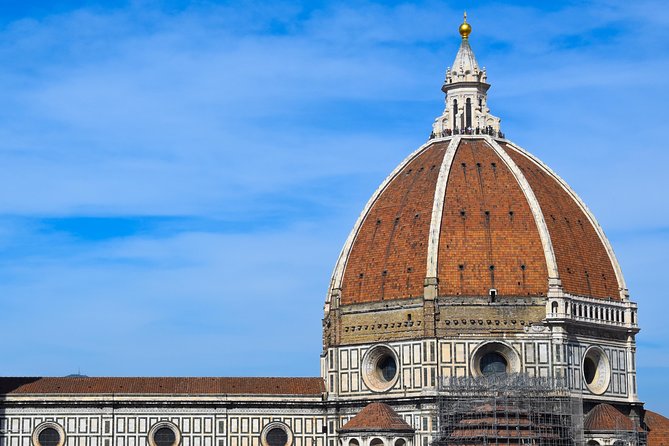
256, 111
196, 291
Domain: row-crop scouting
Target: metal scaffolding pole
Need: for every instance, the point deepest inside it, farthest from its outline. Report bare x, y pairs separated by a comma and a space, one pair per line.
508, 410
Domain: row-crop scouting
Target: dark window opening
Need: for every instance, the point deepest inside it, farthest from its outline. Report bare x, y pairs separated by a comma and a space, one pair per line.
277, 437
493, 363
388, 368
468, 113
589, 370
164, 437
455, 113
49, 437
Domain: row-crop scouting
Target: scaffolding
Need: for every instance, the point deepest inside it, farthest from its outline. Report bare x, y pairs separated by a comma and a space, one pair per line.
630, 438
508, 410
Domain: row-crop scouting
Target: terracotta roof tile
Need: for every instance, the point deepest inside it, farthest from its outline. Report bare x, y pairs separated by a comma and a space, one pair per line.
658, 427
389, 256
172, 385
605, 417
377, 417
488, 236
583, 263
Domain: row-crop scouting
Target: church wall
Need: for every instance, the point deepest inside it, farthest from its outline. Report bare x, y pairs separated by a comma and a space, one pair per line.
422, 363
621, 369
102, 425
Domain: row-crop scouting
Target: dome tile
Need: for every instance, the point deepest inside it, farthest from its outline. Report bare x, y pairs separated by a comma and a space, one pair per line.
583, 262
476, 214
658, 429
489, 238
388, 256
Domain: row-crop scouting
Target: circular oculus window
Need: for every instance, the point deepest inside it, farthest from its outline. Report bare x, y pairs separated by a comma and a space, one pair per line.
276, 434
380, 368
596, 370
494, 359
48, 434
164, 433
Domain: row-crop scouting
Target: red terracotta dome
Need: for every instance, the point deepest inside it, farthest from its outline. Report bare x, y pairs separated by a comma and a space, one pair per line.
658, 427
474, 213
605, 417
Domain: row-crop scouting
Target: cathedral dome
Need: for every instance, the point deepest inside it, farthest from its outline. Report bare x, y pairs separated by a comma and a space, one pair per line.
471, 214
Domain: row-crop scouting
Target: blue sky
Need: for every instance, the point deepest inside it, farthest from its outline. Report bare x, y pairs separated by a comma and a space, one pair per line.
178, 177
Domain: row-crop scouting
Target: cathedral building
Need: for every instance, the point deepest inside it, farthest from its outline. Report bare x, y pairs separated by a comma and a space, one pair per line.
475, 301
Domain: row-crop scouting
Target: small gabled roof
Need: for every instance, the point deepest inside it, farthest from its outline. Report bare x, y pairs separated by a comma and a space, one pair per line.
377, 417
605, 417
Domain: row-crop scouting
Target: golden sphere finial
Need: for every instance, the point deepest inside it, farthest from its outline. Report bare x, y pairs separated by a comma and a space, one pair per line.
465, 28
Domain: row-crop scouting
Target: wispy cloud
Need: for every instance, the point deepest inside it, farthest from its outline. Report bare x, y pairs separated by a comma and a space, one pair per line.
199, 292
185, 173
